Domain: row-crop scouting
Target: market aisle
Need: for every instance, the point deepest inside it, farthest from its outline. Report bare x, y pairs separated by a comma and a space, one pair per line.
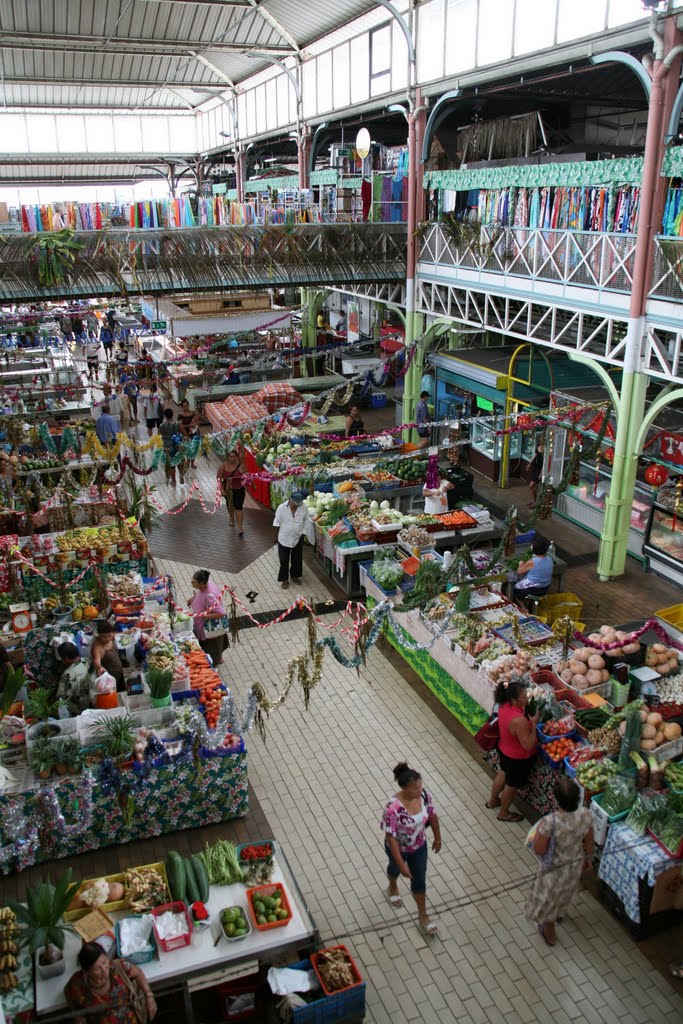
322, 780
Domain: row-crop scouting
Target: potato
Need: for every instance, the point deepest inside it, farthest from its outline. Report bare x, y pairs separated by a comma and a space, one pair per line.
654, 718
116, 892
578, 667
631, 648
580, 682
659, 738
595, 661
594, 677
647, 744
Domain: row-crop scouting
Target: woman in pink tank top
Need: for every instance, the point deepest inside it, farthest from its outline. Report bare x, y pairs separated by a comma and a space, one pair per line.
516, 747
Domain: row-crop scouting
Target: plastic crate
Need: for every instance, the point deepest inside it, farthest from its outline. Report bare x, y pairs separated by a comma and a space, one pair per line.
269, 890
602, 690
178, 941
525, 538
108, 908
546, 738
378, 400
231, 990
668, 751
601, 820
315, 957
342, 1005
145, 956
256, 842
565, 603
673, 615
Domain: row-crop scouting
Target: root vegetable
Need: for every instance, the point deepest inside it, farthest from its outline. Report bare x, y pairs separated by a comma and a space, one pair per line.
647, 744
648, 732
672, 731
580, 682
595, 661
578, 667
654, 718
594, 677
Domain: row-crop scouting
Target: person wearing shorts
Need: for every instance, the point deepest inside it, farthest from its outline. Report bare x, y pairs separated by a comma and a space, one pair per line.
231, 482
153, 409
516, 748
405, 820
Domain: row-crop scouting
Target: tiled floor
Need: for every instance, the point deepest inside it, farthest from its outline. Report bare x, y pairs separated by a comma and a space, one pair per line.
322, 779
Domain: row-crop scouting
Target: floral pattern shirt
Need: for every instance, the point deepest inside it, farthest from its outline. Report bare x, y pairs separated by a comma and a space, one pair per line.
74, 686
79, 996
410, 831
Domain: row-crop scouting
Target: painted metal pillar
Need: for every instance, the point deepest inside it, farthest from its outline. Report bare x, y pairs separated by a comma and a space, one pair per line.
413, 378
631, 406
240, 168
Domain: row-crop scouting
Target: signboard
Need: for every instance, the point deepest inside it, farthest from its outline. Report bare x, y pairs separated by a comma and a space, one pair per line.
485, 404
353, 322
363, 143
158, 325
671, 447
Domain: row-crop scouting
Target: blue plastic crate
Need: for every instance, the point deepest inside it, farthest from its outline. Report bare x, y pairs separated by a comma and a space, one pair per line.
525, 538
378, 400
145, 956
328, 1009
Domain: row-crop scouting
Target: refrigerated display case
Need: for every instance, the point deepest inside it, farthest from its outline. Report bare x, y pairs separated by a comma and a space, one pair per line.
486, 451
663, 546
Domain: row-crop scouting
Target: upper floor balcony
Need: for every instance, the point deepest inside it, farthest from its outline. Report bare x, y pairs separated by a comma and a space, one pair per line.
581, 267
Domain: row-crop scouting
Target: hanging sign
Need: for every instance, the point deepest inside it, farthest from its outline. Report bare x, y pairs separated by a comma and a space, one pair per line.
671, 447
158, 325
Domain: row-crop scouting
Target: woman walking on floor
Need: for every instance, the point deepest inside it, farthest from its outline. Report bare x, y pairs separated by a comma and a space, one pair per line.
563, 840
231, 482
405, 820
516, 748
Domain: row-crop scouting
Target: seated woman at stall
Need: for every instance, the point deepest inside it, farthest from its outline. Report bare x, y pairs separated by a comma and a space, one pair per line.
111, 992
74, 683
537, 572
354, 423
232, 376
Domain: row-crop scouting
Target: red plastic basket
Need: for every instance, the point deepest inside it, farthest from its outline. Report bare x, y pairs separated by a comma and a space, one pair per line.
269, 890
356, 973
544, 676
178, 941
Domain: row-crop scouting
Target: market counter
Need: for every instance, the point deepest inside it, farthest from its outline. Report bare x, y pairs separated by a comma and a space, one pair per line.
343, 564
198, 397
180, 796
204, 955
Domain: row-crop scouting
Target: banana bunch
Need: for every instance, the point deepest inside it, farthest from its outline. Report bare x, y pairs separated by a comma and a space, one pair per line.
8, 950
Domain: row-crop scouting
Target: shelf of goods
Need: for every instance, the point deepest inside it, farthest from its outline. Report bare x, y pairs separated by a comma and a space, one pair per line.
582, 734
117, 549
184, 764
205, 961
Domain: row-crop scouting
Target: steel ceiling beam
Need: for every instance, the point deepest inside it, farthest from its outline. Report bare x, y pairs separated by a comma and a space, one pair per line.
55, 43
259, 7
212, 67
107, 83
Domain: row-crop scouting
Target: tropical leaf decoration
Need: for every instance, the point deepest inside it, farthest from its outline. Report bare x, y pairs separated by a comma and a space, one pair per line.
42, 915
56, 256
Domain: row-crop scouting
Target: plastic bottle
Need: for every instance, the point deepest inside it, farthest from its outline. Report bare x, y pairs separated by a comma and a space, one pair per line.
551, 549
447, 559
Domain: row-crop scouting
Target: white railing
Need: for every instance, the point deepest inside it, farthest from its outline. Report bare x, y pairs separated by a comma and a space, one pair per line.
585, 258
667, 280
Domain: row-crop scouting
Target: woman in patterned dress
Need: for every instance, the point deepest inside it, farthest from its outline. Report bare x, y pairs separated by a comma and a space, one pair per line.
570, 830
100, 983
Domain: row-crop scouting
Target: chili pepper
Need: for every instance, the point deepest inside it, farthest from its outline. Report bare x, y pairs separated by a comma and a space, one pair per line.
255, 852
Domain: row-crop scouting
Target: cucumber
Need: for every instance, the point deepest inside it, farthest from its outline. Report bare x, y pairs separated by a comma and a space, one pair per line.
200, 877
175, 871
192, 889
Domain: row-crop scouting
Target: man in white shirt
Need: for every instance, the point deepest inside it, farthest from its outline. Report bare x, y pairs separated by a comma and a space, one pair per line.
291, 522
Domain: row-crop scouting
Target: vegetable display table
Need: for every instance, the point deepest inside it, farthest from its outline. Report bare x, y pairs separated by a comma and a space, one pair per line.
183, 795
183, 968
627, 860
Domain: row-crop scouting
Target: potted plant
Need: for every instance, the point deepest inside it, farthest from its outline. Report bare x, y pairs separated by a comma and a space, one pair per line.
41, 705
66, 755
159, 681
44, 931
43, 758
117, 735
75, 759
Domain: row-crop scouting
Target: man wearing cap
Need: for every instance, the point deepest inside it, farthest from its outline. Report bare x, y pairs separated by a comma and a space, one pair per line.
291, 522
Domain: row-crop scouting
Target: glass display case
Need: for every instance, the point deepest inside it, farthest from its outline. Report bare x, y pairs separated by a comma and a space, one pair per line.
663, 545
488, 442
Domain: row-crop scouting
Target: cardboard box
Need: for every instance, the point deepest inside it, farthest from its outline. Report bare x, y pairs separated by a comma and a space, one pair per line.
668, 890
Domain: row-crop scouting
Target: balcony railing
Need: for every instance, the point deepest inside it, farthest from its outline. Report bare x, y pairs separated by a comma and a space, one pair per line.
583, 258
667, 279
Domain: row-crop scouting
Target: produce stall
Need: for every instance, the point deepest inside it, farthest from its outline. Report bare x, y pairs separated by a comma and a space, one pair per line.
211, 935
85, 766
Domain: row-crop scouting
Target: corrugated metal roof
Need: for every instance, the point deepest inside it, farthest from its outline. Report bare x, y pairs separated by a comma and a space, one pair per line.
118, 49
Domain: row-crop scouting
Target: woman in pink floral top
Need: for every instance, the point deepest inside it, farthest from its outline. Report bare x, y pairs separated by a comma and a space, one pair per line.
405, 821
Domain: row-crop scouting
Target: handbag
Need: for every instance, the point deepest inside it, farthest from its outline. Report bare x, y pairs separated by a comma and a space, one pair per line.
544, 859
216, 627
138, 999
489, 734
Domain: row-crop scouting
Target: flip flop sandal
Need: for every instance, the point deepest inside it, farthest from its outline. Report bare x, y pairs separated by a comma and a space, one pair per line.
395, 901
491, 807
428, 930
512, 817
676, 970
541, 932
